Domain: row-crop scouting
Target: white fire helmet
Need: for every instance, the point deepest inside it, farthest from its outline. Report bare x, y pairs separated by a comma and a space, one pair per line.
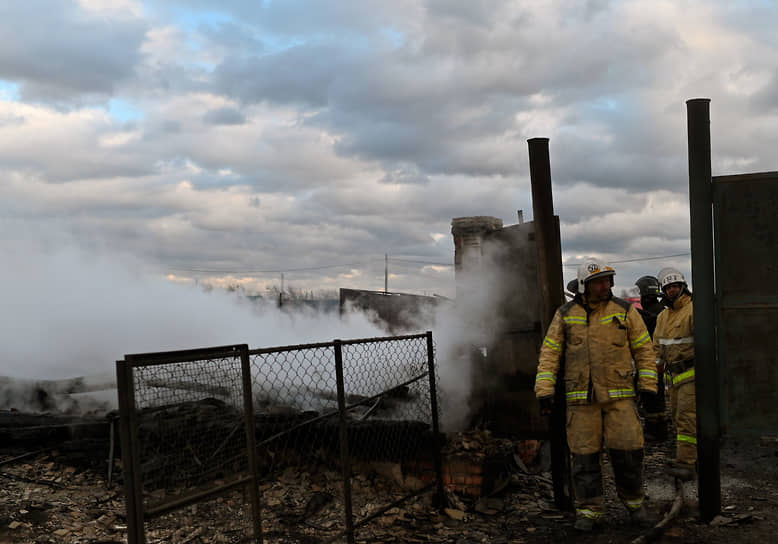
591, 269
670, 275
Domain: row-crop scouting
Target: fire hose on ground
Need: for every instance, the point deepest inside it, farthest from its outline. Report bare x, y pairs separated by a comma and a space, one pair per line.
657, 530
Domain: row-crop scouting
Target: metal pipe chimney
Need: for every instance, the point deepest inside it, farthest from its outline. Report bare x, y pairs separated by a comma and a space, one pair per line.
549, 248
707, 380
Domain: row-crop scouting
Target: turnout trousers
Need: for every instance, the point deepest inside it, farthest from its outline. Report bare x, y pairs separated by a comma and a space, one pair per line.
616, 425
683, 404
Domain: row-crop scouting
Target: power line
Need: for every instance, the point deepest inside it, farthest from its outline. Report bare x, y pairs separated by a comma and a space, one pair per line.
640, 259
418, 262
386, 259
278, 271
302, 269
391, 259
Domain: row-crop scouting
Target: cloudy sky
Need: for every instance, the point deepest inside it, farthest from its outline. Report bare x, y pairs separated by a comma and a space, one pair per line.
230, 141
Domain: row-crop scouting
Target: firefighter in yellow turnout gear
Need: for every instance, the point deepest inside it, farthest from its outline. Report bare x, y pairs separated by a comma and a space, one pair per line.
599, 335
674, 344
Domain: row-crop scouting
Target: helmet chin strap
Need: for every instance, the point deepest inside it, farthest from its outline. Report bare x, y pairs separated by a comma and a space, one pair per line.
670, 302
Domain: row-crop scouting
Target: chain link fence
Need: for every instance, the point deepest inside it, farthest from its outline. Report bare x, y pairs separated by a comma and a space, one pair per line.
328, 434
327, 411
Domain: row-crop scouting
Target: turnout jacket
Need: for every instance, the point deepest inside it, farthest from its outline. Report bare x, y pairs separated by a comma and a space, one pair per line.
598, 346
674, 339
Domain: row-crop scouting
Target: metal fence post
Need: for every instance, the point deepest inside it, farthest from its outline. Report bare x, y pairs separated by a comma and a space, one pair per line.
132, 491
344, 455
251, 443
707, 366
437, 442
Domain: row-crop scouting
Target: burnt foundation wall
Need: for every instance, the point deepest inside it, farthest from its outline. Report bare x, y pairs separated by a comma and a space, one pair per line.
504, 275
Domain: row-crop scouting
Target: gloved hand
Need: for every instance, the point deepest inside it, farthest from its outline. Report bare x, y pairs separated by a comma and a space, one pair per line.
647, 399
546, 405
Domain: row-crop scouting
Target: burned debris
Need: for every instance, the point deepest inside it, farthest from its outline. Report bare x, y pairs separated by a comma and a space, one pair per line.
49, 496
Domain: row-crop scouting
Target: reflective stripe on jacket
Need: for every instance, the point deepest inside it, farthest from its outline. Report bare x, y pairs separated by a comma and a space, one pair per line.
598, 350
674, 337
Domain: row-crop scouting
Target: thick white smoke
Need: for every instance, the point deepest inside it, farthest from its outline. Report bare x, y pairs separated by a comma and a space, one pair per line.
465, 331
71, 313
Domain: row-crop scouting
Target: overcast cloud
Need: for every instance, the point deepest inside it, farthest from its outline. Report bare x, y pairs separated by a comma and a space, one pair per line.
230, 141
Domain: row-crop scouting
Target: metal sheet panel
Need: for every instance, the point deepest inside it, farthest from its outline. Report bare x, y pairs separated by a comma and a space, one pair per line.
746, 225
751, 372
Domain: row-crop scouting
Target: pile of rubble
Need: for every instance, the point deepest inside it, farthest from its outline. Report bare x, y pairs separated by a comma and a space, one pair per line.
45, 498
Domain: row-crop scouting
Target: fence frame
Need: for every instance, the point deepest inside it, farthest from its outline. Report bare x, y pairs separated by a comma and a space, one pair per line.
137, 514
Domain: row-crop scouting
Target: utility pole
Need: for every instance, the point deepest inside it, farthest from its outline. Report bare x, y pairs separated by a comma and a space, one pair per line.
386, 272
281, 292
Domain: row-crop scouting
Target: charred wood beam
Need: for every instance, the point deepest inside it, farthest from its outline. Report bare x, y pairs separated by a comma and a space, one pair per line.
31, 480
69, 386
210, 389
48, 433
11, 419
20, 457
83, 441
400, 392
43, 429
48, 395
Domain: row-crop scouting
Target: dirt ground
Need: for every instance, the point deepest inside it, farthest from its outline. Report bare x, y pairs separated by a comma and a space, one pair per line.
52, 498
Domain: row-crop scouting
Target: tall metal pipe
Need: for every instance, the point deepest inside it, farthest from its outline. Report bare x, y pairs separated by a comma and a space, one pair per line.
707, 372
549, 250
546, 229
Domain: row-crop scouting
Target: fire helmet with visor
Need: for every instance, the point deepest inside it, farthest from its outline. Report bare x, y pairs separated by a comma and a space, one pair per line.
592, 269
670, 275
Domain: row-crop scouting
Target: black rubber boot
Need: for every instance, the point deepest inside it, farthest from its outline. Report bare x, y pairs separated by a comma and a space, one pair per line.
628, 471
587, 476
587, 485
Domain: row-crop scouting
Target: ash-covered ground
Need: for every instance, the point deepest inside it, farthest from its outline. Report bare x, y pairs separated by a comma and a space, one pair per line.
56, 495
